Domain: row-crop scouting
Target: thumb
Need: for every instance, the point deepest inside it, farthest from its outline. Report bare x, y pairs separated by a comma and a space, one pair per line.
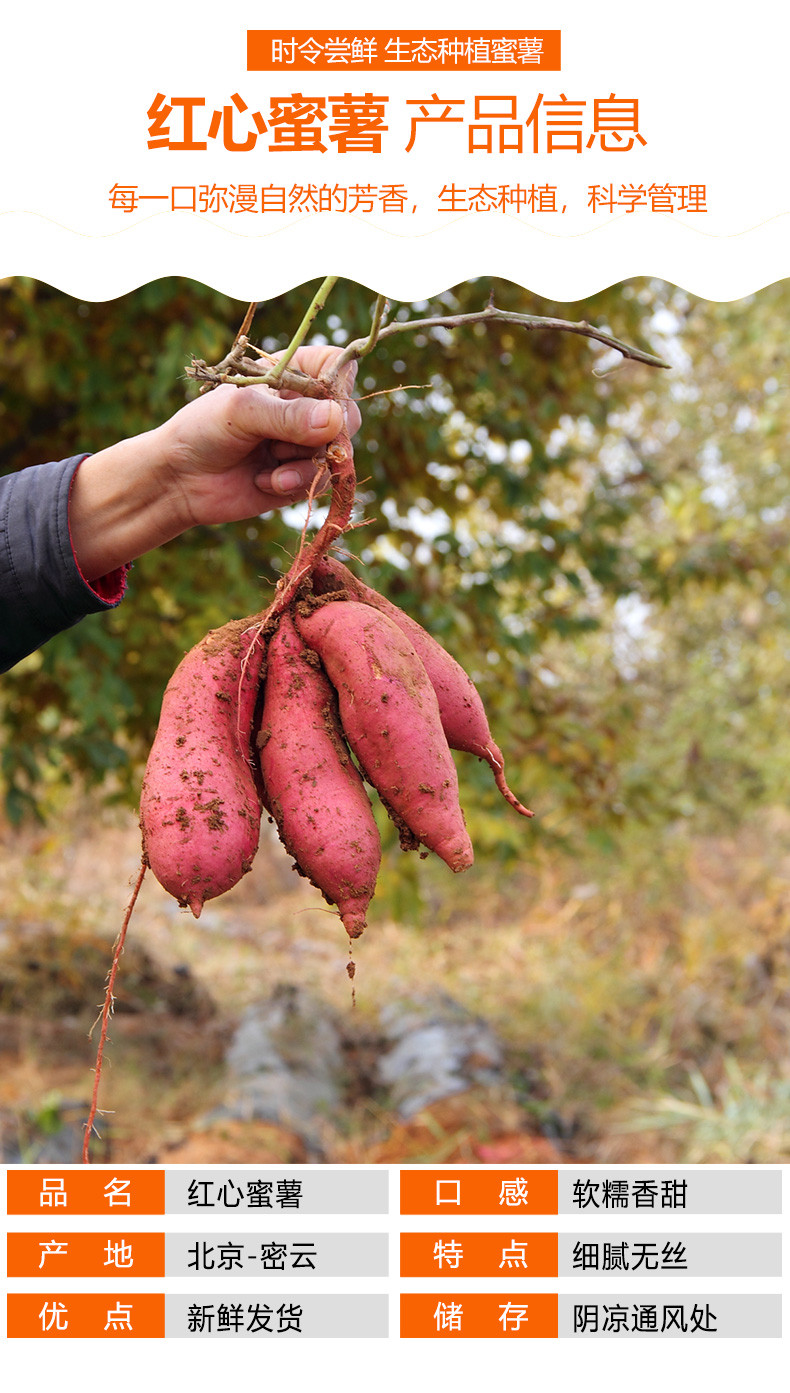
303, 420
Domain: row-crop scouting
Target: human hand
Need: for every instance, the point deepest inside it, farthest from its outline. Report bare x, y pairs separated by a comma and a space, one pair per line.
231, 454
237, 452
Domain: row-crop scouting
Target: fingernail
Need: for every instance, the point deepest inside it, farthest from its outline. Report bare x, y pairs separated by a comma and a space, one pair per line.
287, 480
320, 414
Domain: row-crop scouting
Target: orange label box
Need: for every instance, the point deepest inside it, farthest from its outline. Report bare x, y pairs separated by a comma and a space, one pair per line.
478, 1316
55, 1255
338, 51
56, 1194
83, 1316
464, 1255
508, 1192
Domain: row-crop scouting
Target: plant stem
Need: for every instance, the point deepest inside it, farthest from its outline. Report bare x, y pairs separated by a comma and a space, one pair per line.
246, 323
246, 372
340, 459
359, 347
243, 371
314, 309
382, 305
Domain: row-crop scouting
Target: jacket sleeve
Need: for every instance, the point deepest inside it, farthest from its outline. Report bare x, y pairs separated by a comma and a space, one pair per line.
42, 589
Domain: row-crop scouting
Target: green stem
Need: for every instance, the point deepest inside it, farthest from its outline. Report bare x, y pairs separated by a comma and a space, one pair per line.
314, 309
382, 305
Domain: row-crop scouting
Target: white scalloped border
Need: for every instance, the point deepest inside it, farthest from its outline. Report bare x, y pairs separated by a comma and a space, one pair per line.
246, 266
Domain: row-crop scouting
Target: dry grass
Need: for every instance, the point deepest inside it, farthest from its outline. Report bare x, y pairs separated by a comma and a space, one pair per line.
644, 1000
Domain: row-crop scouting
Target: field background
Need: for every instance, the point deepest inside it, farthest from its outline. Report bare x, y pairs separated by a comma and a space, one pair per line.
606, 551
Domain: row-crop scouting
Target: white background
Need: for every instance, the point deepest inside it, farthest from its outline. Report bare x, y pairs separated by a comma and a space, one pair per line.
711, 82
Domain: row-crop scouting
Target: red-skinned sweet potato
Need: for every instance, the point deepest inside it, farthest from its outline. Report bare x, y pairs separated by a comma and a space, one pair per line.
199, 808
461, 709
313, 787
390, 718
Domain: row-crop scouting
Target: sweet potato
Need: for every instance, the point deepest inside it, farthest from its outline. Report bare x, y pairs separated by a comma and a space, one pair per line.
390, 717
199, 809
461, 709
313, 787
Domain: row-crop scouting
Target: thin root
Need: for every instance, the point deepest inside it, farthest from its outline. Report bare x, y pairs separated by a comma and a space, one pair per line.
105, 1015
499, 778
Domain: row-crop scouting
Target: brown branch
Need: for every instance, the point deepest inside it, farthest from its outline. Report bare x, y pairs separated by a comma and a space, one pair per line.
360, 347
246, 323
245, 372
242, 371
239, 370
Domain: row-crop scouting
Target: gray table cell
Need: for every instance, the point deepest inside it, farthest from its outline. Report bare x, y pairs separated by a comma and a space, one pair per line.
747, 1191
276, 1316
299, 1255
287, 1192
670, 1255
622, 1316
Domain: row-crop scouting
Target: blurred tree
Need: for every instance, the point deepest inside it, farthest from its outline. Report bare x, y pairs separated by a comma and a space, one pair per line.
604, 554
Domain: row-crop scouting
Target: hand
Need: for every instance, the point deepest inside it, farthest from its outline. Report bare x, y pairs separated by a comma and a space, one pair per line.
234, 453
231, 454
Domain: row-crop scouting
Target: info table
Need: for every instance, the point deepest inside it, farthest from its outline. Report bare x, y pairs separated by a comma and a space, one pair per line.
446, 1253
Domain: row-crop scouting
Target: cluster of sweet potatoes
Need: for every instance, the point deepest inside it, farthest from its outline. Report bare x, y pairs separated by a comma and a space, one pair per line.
295, 713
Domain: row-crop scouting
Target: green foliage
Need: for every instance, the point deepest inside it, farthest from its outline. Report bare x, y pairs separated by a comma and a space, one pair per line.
746, 1120
606, 555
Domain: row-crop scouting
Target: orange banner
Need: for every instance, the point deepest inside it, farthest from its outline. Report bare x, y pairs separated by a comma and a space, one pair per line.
83, 1316
403, 50
478, 1316
90, 1191
110, 1255
510, 1192
504, 1254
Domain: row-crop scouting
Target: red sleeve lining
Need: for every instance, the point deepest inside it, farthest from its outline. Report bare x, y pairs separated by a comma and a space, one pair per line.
110, 588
